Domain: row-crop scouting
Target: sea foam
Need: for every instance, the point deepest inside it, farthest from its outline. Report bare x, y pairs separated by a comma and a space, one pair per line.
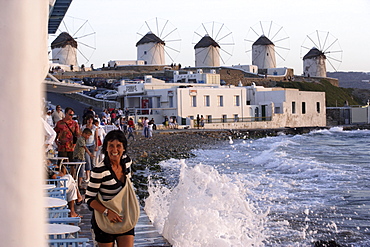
205, 208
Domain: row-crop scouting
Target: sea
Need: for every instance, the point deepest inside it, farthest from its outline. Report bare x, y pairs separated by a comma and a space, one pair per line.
287, 190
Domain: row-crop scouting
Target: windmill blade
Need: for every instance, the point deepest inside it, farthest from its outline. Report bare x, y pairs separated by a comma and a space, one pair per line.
219, 32
326, 38
277, 33
172, 49
332, 65
148, 26
248, 51
205, 28
83, 55
164, 26
305, 47
281, 39
284, 48
142, 35
169, 33
87, 45
268, 35
249, 40
228, 53
198, 34
335, 59
279, 55
169, 56
255, 32
312, 41
65, 26
262, 28
333, 52
79, 28
156, 22
224, 36
86, 35
331, 45
318, 38
174, 40
221, 44
221, 57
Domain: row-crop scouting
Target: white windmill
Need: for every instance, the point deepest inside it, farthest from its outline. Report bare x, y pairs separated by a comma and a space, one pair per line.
216, 44
75, 42
268, 40
160, 40
325, 48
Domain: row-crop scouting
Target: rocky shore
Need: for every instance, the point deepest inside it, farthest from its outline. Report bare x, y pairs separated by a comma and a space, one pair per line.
147, 153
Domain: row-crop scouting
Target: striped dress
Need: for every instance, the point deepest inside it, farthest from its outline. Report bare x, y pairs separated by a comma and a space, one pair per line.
104, 181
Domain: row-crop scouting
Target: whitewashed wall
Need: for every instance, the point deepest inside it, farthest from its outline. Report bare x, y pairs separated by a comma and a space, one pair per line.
66, 55
154, 53
23, 66
263, 56
207, 56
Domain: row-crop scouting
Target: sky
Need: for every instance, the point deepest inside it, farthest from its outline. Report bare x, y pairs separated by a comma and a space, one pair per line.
343, 28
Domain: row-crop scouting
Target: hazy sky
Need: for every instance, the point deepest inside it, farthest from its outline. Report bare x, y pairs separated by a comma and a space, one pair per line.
116, 23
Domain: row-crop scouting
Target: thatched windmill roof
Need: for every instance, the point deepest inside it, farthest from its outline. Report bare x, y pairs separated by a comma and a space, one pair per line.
150, 38
63, 40
263, 40
206, 41
314, 52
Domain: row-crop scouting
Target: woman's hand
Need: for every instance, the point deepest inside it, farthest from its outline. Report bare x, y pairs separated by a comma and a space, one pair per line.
113, 217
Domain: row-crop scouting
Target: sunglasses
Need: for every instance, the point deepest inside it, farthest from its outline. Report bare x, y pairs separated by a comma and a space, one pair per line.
70, 114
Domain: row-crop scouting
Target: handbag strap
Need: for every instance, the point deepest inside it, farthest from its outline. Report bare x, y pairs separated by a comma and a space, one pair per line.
69, 128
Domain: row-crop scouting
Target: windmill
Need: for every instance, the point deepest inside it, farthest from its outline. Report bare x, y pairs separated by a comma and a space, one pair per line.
318, 48
267, 40
216, 44
159, 40
75, 42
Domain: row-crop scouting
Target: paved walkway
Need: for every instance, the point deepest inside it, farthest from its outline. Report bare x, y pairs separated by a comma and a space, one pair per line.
145, 233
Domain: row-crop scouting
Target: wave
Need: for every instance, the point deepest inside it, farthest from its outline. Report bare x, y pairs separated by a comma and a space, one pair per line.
205, 208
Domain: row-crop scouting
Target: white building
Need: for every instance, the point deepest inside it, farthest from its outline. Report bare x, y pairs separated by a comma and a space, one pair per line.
199, 77
64, 51
150, 48
314, 63
225, 106
115, 63
263, 53
207, 53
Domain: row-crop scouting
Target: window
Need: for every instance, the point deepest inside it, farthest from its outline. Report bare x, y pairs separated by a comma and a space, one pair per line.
158, 102
318, 107
277, 109
144, 52
248, 102
207, 100
170, 100
220, 100
303, 107
224, 118
194, 101
209, 118
293, 107
236, 118
236, 100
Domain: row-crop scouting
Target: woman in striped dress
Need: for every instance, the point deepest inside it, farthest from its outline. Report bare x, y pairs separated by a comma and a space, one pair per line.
108, 178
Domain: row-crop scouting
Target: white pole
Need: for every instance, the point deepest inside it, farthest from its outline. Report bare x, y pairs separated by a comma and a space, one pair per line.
23, 66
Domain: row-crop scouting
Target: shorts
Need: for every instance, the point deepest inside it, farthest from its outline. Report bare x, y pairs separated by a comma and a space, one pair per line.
103, 237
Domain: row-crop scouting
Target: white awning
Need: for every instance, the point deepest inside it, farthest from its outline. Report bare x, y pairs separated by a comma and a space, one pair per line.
53, 85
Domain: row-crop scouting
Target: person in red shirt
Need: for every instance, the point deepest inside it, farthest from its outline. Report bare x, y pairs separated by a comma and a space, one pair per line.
67, 130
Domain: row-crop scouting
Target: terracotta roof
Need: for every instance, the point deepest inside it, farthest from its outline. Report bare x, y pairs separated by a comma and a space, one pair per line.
206, 41
314, 52
150, 38
62, 40
263, 40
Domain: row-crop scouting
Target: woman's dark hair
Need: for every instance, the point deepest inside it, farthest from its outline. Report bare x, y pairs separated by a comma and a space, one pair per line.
111, 136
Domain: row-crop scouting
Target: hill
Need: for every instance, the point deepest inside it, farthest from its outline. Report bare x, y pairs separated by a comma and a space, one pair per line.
335, 96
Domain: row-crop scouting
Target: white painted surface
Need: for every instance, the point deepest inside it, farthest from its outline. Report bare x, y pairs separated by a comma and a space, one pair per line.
207, 56
152, 53
23, 66
263, 56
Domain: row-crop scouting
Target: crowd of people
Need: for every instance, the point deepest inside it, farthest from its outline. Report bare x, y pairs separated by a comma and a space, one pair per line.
103, 154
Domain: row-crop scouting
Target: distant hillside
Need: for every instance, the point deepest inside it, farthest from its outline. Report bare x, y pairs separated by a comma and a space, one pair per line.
335, 96
351, 79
